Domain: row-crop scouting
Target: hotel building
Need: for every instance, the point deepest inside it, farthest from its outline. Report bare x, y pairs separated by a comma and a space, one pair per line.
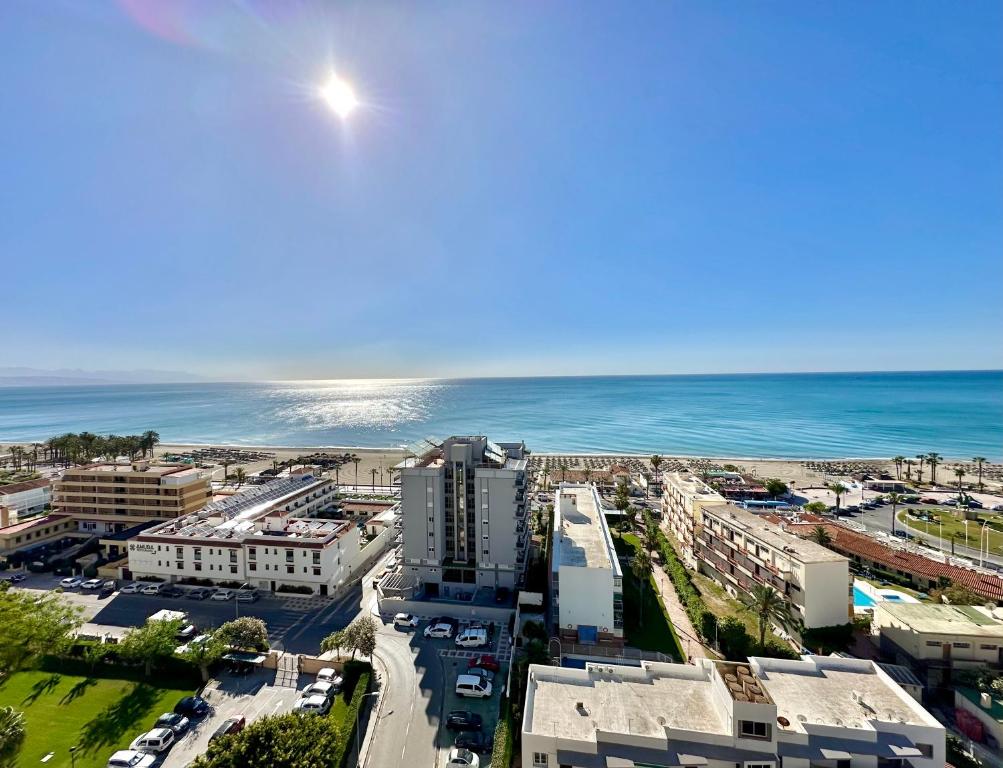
109, 498
264, 536
464, 510
740, 549
586, 580
817, 712
20, 500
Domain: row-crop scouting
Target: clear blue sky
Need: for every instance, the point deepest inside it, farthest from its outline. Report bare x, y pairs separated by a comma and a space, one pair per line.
527, 188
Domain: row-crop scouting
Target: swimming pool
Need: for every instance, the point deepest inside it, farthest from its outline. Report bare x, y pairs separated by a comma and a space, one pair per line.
861, 599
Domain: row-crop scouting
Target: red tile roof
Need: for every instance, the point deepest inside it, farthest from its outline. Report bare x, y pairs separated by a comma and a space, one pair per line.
27, 485
852, 543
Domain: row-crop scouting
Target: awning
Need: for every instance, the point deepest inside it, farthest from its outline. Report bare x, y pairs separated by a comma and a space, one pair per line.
245, 658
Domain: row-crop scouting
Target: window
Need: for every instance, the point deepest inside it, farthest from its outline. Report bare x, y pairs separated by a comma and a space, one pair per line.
751, 729
179, 552
180, 565
198, 553
289, 555
316, 558
759, 765
252, 567
198, 566
316, 571
252, 553
290, 569
926, 749
987, 647
961, 645
933, 643
540, 760
233, 569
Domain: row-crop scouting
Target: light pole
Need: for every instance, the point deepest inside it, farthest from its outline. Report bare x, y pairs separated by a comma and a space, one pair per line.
358, 749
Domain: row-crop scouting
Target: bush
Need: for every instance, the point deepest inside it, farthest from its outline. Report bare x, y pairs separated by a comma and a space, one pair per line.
358, 679
501, 753
296, 589
534, 630
825, 640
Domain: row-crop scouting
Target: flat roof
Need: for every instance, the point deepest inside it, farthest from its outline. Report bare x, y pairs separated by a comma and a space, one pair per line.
642, 701
943, 619
32, 523
771, 534
25, 485
583, 539
827, 690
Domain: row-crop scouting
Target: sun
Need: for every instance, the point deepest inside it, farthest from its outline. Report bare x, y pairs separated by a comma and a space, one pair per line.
340, 96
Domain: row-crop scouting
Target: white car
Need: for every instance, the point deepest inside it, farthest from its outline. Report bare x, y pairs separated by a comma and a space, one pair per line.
407, 620
462, 758
71, 582
330, 675
152, 589
997, 507
130, 758
158, 740
324, 688
222, 594
131, 589
313, 705
439, 630
92, 584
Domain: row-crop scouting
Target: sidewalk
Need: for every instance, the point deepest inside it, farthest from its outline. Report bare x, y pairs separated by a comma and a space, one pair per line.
688, 637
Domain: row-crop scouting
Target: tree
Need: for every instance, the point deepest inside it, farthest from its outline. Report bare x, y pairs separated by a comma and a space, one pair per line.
909, 464
959, 472
374, 472
820, 535
362, 635
546, 477
839, 489
897, 461
240, 475
205, 653
283, 741
979, 461
355, 460
622, 500
32, 626
776, 487
151, 643
894, 499
650, 532
733, 639
588, 474
12, 735
640, 566
769, 607
656, 462
933, 460
226, 467
335, 642
563, 466
247, 633
956, 594
816, 507
149, 441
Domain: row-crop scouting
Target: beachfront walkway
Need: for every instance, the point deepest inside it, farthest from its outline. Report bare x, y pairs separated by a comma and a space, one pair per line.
688, 637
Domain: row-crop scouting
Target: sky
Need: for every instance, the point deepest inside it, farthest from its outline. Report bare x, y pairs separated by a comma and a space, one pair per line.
526, 188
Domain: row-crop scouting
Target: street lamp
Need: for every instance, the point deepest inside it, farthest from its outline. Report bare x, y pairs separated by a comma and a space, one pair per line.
358, 748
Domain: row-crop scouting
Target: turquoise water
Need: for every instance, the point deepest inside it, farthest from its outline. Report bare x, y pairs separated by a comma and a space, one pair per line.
861, 599
957, 414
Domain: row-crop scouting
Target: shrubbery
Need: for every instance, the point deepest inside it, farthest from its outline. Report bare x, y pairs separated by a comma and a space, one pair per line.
501, 753
297, 589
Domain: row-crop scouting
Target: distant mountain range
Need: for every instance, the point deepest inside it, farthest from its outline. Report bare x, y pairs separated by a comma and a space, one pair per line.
39, 377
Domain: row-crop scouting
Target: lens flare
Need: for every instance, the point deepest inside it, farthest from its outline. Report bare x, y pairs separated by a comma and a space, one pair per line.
340, 96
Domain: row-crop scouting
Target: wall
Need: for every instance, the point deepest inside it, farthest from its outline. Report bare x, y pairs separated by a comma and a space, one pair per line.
586, 598
827, 600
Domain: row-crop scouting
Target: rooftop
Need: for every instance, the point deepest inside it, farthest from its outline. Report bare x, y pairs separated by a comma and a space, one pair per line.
692, 486
767, 532
32, 523
644, 701
827, 690
27, 485
944, 619
158, 470
582, 538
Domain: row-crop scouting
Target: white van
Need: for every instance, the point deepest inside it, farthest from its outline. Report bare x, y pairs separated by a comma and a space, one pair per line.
157, 740
472, 638
473, 687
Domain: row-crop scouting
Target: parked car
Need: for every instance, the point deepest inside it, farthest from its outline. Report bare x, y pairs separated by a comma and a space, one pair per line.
247, 595
475, 741
313, 705
974, 504
177, 723
484, 674
92, 584
464, 720
330, 675
230, 725
950, 502
997, 507
406, 620
153, 589
186, 633
130, 758
191, 707
320, 688
472, 687
158, 740
131, 589
172, 591
485, 661
928, 500
109, 586
462, 758
439, 630
199, 593
222, 594
71, 582
17, 578
472, 637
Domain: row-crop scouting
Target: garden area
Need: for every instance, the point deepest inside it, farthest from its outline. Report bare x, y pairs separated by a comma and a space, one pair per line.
646, 624
938, 523
95, 714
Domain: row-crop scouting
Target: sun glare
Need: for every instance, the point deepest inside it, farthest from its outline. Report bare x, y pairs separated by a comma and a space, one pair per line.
339, 96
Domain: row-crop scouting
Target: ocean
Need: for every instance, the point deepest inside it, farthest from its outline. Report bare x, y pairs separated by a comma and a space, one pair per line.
829, 415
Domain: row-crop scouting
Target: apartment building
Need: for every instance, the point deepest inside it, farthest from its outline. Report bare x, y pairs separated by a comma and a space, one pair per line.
41, 529
109, 498
586, 580
27, 498
464, 510
741, 549
811, 713
265, 536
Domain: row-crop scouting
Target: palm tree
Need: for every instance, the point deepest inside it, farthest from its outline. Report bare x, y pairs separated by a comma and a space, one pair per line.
226, 467
12, 734
919, 472
373, 472
897, 461
546, 477
337, 474
909, 464
240, 475
563, 466
979, 461
588, 474
839, 489
769, 607
641, 568
959, 472
933, 459
820, 535
355, 460
894, 499
149, 441
656, 462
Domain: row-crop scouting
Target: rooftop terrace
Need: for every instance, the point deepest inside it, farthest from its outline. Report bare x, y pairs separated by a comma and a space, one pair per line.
944, 619
582, 538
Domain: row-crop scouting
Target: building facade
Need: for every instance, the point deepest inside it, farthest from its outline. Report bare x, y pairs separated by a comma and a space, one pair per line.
265, 536
464, 509
741, 549
586, 581
109, 498
817, 712
21, 500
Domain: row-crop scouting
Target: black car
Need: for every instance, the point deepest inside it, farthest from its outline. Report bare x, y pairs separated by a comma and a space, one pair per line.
171, 592
192, 706
198, 594
475, 741
177, 723
462, 720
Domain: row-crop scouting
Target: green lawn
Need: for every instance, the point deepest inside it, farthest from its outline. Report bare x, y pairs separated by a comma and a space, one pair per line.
951, 527
652, 630
98, 715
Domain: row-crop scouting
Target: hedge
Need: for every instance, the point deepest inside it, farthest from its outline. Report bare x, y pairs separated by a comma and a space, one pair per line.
358, 677
501, 753
174, 668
